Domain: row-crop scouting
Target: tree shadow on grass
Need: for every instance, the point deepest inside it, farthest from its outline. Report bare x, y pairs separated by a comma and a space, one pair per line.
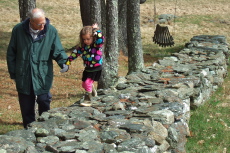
7, 126
10, 123
66, 96
5, 38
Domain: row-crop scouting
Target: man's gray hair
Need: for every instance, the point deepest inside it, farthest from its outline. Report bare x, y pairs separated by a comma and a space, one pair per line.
36, 13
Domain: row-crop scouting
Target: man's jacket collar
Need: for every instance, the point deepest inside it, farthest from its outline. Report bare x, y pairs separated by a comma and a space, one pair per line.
41, 34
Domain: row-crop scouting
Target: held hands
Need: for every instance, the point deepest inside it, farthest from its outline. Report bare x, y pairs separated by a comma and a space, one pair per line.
65, 68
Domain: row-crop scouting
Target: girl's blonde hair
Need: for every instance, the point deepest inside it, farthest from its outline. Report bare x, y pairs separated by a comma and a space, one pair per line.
84, 31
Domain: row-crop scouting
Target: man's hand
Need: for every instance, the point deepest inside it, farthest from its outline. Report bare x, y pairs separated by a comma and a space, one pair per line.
65, 68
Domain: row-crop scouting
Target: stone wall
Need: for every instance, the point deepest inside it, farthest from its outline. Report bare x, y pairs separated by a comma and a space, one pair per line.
146, 112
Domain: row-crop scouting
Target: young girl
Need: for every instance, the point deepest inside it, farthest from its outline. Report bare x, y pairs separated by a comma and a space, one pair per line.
90, 49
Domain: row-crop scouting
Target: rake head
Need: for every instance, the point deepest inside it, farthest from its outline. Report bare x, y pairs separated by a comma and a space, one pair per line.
162, 36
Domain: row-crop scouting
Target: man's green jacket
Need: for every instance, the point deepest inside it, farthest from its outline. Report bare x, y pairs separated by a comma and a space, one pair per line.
31, 61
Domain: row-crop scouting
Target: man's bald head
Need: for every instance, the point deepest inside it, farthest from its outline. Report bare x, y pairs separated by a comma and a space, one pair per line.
36, 13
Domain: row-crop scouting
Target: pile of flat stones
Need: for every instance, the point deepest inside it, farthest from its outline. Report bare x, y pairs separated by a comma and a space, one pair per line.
145, 112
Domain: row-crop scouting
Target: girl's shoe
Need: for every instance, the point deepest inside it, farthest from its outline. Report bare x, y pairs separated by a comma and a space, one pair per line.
94, 92
86, 104
87, 100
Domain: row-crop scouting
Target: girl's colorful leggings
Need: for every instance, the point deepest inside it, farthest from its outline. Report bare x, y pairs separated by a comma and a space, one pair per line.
88, 84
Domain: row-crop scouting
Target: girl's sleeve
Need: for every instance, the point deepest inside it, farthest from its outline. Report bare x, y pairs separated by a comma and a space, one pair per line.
75, 53
99, 38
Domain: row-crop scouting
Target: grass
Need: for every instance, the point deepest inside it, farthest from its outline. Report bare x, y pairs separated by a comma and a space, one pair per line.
197, 20
209, 124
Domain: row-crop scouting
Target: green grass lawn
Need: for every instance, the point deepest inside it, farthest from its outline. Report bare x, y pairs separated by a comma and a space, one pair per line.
210, 125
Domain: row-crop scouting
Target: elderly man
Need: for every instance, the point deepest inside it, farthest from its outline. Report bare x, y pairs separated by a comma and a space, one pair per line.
33, 45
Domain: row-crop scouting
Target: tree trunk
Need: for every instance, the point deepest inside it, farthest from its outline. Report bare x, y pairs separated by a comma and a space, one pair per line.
95, 10
142, 1
135, 53
85, 12
122, 17
103, 17
110, 66
24, 7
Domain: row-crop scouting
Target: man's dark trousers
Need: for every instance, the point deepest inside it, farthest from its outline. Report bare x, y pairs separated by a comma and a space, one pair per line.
27, 105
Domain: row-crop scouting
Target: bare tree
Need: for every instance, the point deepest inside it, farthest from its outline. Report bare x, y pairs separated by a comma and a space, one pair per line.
142, 1
122, 38
135, 53
122, 22
95, 10
24, 7
103, 16
110, 66
85, 12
